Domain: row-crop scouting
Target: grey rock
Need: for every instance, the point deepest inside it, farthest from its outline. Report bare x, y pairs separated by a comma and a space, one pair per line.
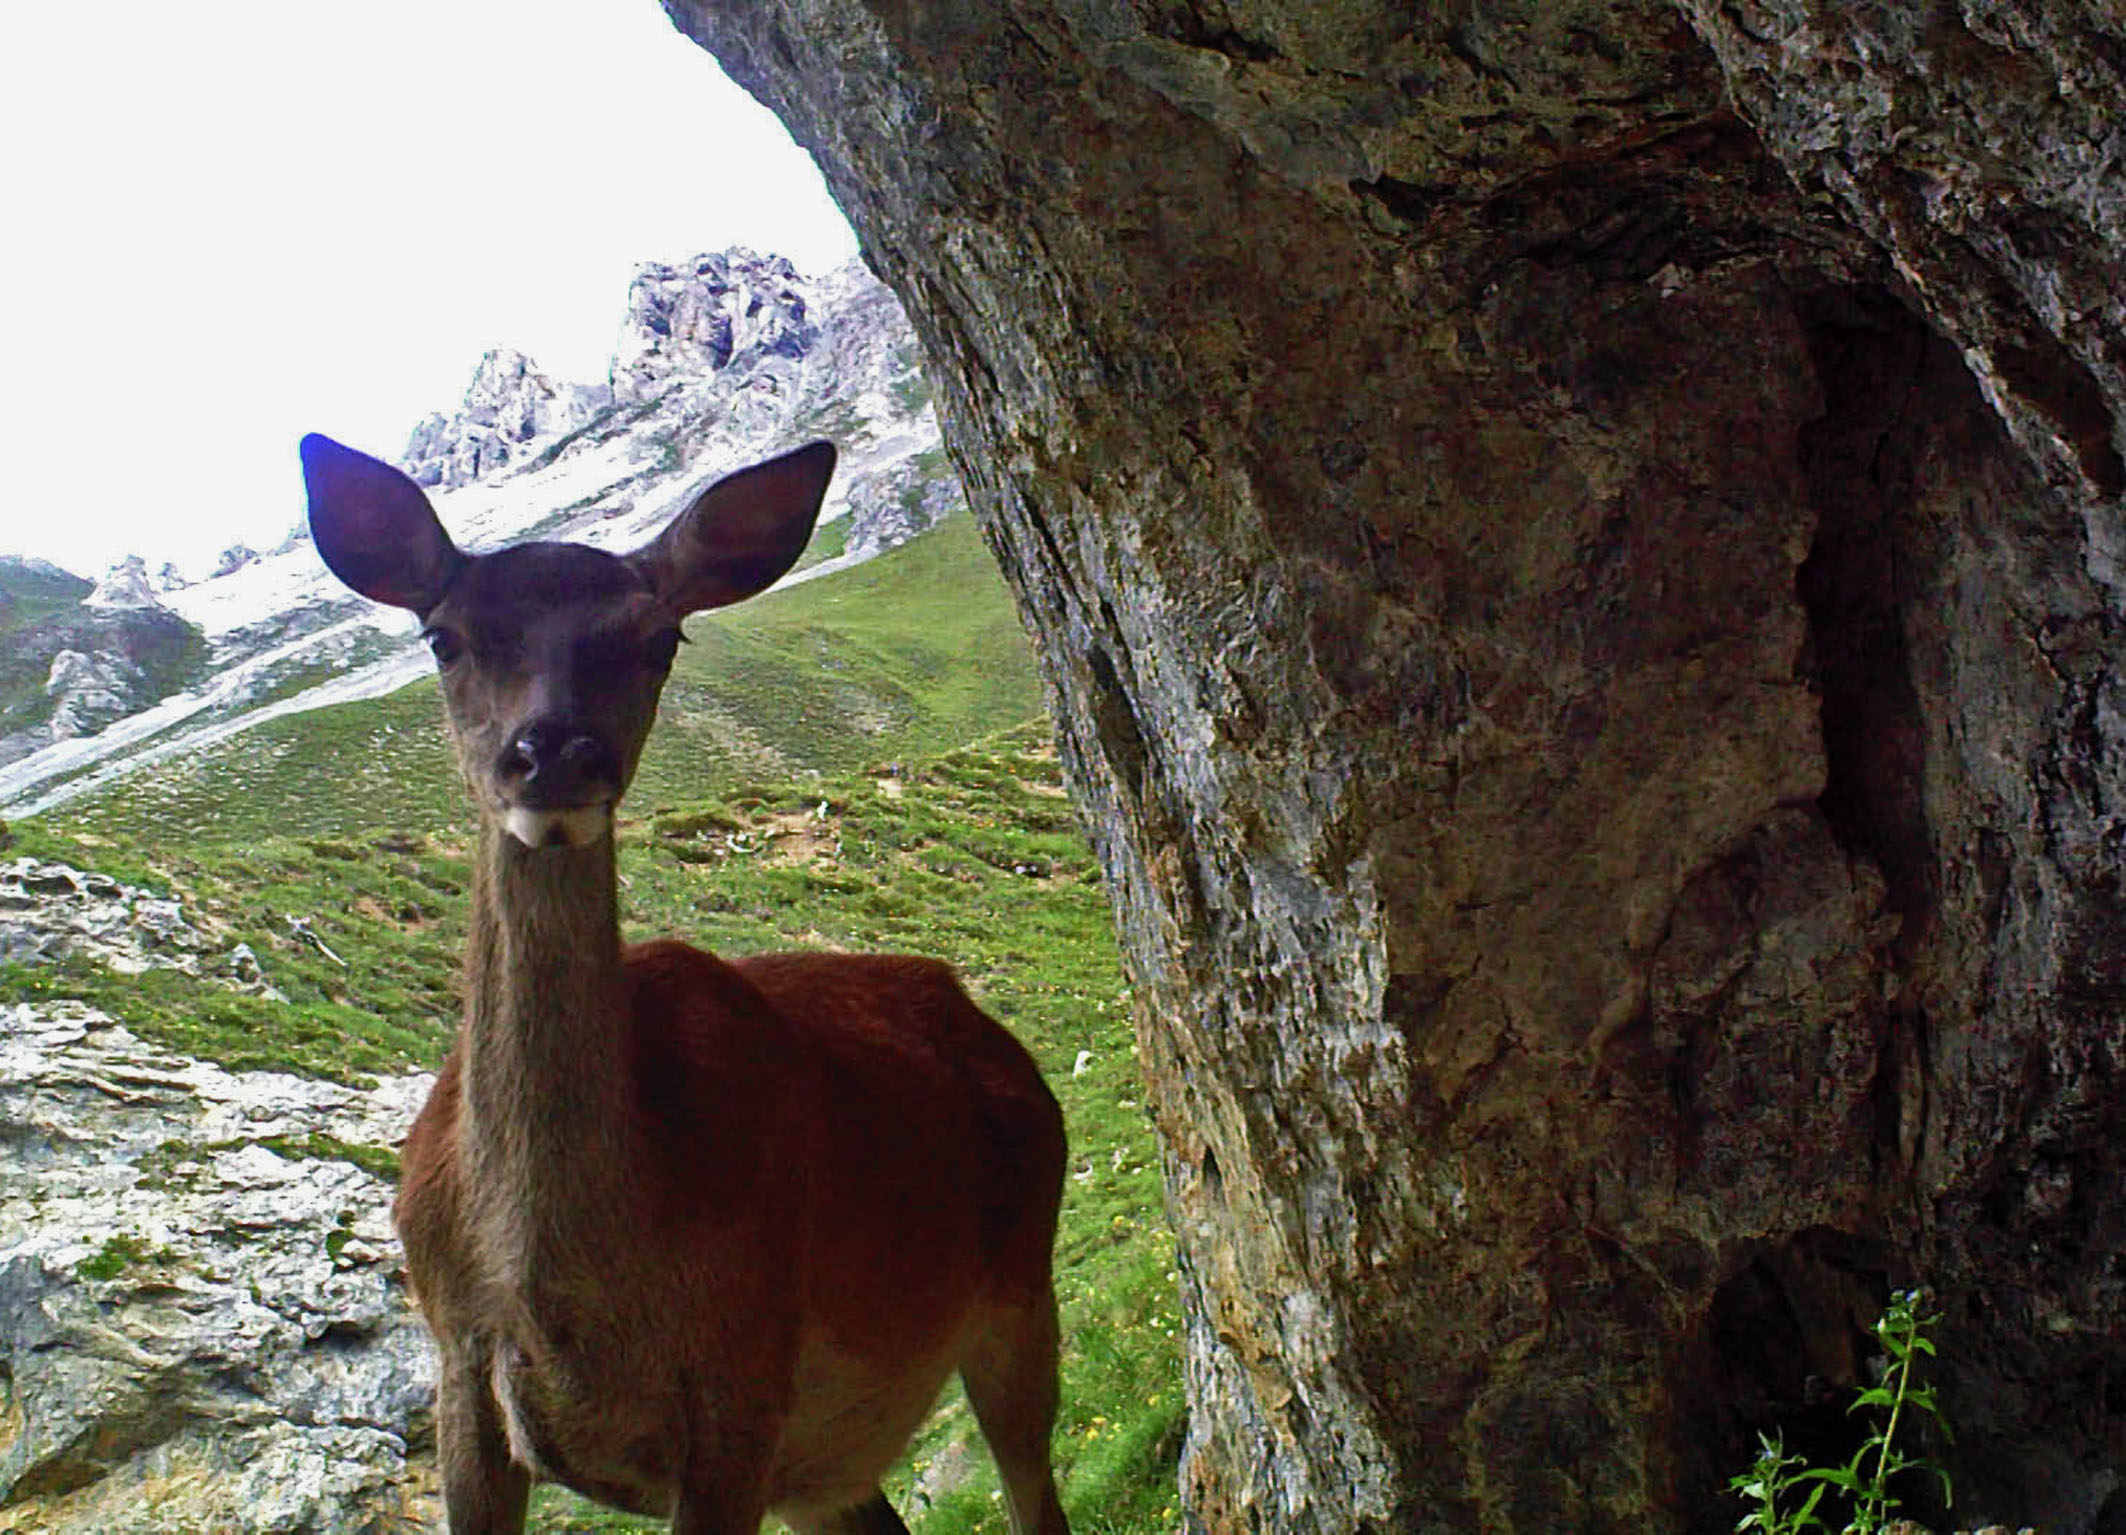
89, 690
198, 1331
234, 558
904, 498
727, 357
124, 585
509, 408
1578, 552
51, 912
721, 310
203, 1322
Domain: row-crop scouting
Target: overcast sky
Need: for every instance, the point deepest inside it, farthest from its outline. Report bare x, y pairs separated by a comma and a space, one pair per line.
234, 221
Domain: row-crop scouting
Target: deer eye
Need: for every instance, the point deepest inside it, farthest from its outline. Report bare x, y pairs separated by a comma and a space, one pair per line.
662, 648
444, 645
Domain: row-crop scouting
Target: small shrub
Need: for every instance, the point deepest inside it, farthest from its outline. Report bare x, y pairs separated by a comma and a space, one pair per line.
1865, 1481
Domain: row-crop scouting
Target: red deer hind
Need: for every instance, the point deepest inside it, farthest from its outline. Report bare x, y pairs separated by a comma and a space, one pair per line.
697, 1239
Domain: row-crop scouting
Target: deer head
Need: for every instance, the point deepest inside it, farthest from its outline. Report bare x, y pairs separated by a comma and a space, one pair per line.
552, 655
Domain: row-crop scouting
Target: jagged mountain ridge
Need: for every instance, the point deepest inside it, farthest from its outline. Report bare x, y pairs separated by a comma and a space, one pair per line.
509, 407
723, 359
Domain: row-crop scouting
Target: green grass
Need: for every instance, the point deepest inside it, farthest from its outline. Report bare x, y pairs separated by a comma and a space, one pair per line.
117, 1254
377, 1161
829, 541
389, 906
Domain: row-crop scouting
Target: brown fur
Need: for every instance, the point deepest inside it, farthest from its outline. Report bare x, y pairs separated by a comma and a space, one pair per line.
832, 1181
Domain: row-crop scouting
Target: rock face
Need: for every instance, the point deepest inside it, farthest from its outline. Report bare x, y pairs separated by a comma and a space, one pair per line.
722, 309
897, 503
124, 585
49, 912
228, 563
1577, 548
509, 406
203, 1320
89, 691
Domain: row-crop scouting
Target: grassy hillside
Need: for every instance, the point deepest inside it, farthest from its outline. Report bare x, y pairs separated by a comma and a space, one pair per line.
811, 785
32, 590
901, 658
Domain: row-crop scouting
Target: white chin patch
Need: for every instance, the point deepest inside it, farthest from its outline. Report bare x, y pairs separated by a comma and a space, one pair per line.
577, 826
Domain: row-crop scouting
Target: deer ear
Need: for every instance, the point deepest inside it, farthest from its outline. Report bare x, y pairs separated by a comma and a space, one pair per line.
740, 534
374, 528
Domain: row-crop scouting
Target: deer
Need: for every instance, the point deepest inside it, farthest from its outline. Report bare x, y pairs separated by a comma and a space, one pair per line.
700, 1239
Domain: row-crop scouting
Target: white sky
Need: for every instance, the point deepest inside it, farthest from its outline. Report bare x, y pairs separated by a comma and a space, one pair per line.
229, 222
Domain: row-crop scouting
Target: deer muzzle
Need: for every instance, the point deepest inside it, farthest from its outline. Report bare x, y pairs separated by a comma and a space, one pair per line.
558, 780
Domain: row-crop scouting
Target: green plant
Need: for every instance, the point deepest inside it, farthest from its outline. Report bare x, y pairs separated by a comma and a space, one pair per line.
119, 1253
1765, 1486
1865, 1480
380, 1162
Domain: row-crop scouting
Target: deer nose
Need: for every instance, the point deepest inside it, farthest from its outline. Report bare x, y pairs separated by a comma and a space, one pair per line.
560, 763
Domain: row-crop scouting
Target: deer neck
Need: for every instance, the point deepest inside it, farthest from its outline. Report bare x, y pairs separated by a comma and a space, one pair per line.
545, 1067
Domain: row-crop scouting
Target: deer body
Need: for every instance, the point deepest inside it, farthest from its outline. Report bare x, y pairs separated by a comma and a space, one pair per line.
698, 1239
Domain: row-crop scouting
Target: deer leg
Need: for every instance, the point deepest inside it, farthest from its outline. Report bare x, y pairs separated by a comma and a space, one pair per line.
722, 1490
706, 1513
872, 1517
1010, 1375
719, 1500
484, 1490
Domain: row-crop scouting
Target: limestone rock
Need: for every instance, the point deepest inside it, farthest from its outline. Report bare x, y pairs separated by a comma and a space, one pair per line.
888, 508
720, 310
203, 1321
730, 357
51, 912
124, 585
1577, 550
88, 691
233, 559
97, 655
508, 407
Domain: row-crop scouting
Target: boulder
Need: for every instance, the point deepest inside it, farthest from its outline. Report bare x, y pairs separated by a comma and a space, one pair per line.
203, 1316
